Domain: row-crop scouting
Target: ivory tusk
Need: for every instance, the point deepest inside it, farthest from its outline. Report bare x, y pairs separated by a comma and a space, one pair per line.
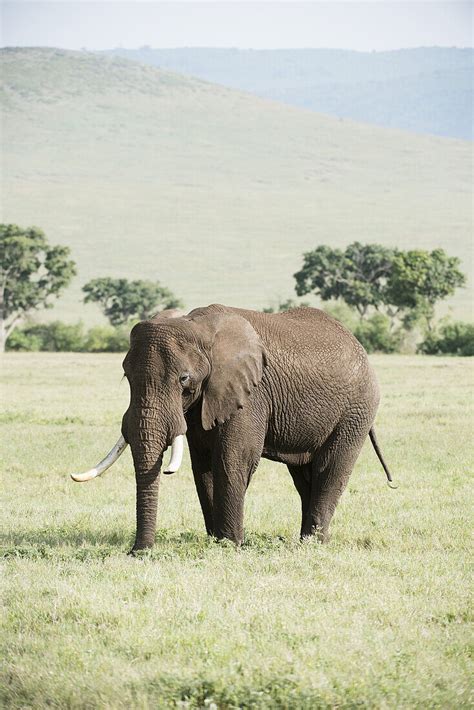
177, 448
106, 463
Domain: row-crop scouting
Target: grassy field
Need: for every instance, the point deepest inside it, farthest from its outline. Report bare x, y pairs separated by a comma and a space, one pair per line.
217, 193
378, 618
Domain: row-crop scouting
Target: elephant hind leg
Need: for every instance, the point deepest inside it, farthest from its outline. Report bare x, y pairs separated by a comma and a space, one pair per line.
301, 476
331, 469
204, 486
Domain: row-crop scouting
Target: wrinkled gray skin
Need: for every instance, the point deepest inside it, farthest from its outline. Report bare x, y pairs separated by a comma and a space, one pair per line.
294, 387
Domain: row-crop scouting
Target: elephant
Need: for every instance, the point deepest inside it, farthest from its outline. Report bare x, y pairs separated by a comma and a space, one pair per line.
294, 387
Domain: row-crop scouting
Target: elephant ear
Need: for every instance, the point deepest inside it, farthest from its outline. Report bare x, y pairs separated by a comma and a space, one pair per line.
237, 359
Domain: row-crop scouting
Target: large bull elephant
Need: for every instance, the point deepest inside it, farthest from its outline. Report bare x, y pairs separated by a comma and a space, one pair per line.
293, 387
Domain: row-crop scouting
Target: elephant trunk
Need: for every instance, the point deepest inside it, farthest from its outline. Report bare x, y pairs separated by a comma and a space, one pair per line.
147, 443
149, 427
147, 505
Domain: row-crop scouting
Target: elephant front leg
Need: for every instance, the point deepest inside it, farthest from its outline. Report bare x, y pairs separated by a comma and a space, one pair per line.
229, 493
235, 459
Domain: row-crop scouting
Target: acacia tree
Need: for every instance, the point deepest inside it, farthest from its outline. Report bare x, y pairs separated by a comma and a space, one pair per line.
404, 285
357, 275
122, 300
31, 272
419, 279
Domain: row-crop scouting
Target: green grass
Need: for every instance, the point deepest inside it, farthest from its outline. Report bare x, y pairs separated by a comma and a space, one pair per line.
217, 193
377, 618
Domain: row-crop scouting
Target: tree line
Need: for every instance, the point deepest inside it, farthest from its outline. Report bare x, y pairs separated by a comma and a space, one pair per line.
33, 273
381, 294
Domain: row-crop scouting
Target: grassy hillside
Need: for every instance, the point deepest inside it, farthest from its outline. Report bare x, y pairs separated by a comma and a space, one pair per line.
149, 174
379, 618
428, 90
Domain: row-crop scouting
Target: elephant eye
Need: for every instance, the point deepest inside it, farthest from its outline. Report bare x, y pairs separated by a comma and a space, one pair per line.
184, 379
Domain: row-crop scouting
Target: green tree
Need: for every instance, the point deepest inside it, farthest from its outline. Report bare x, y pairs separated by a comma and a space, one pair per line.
122, 300
31, 273
404, 285
419, 279
358, 275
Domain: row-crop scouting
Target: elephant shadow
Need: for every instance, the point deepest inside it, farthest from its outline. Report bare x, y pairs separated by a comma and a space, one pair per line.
72, 542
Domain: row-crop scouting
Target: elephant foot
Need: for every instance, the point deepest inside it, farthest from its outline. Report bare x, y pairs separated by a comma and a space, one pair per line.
134, 552
228, 541
137, 548
314, 533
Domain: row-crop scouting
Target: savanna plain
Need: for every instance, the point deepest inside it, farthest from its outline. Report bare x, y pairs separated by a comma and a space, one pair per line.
379, 617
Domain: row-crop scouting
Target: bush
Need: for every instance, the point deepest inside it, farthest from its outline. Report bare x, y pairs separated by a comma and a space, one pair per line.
375, 335
50, 337
61, 337
65, 337
23, 341
106, 339
451, 338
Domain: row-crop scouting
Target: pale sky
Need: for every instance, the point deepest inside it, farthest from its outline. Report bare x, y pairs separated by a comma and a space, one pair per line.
374, 25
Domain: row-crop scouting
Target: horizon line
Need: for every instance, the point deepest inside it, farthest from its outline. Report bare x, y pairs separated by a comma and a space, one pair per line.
237, 49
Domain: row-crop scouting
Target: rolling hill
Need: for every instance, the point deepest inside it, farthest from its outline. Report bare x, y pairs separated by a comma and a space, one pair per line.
427, 90
217, 193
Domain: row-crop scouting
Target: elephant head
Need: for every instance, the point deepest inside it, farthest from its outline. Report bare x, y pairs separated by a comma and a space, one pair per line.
211, 358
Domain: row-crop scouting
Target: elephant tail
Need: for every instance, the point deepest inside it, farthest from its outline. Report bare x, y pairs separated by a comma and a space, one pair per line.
375, 444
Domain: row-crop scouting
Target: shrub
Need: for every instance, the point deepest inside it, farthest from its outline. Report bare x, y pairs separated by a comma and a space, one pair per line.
65, 337
451, 338
58, 336
376, 336
52, 337
106, 339
374, 333
23, 341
